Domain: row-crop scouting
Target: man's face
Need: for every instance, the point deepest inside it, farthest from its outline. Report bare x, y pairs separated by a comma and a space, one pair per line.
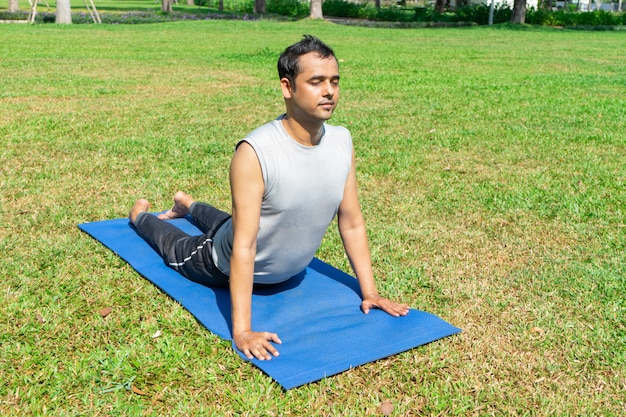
316, 90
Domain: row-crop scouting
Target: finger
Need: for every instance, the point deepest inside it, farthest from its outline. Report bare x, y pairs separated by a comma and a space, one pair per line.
400, 309
273, 337
403, 307
365, 307
391, 307
377, 304
259, 352
261, 348
253, 349
392, 312
270, 349
248, 354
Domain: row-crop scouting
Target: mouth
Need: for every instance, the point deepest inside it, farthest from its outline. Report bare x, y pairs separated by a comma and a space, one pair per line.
327, 104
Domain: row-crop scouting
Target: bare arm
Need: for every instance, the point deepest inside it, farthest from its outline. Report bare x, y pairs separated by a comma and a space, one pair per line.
247, 187
354, 237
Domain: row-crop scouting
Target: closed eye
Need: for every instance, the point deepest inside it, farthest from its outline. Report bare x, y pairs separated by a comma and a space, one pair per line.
320, 79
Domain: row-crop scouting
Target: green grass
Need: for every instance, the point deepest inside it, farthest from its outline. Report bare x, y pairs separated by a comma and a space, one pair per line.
491, 168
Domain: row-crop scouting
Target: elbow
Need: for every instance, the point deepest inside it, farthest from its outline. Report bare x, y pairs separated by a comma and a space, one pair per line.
348, 226
244, 253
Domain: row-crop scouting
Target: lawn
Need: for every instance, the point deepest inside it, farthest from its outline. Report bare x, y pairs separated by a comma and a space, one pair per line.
491, 172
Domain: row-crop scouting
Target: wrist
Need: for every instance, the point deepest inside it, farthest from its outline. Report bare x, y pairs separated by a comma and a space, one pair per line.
371, 294
240, 331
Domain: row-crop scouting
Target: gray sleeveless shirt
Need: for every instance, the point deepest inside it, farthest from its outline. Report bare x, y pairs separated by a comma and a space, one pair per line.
303, 189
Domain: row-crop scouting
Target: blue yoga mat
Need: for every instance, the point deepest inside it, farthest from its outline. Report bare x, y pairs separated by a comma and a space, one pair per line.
316, 313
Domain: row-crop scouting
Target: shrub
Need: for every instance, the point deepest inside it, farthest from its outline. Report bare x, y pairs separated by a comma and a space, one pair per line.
393, 14
291, 8
347, 9
5, 15
242, 6
566, 18
341, 8
479, 13
423, 14
540, 16
132, 18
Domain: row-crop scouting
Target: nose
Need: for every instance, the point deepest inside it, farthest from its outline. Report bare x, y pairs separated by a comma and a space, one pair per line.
330, 89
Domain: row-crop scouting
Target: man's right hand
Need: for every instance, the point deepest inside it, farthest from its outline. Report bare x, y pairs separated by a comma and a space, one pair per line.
257, 344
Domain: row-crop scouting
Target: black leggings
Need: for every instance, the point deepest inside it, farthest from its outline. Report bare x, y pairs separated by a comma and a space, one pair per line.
191, 256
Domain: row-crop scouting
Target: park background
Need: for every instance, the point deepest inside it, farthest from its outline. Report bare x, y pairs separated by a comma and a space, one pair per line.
491, 172
579, 14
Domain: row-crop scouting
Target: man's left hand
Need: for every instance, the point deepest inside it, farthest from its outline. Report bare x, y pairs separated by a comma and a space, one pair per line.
390, 307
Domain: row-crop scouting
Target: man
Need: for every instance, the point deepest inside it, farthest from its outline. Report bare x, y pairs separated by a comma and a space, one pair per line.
288, 179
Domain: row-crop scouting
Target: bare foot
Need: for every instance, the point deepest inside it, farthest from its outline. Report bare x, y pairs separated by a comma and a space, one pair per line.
182, 202
141, 206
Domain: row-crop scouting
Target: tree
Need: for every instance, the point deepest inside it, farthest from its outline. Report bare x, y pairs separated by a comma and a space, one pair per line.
598, 5
259, 6
440, 6
518, 15
316, 9
64, 12
166, 6
13, 6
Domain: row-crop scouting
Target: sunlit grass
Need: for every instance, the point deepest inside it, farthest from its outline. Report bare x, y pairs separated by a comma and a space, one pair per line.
491, 169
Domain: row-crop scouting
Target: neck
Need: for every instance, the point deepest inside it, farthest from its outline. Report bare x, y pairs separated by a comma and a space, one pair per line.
304, 135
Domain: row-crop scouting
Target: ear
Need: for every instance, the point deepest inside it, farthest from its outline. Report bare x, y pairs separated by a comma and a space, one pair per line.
286, 87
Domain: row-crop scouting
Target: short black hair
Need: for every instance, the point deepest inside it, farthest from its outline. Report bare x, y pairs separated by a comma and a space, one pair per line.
289, 61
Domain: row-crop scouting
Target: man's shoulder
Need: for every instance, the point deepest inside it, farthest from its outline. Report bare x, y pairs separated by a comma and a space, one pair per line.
339, 134
269, 129
336, 129
264, 127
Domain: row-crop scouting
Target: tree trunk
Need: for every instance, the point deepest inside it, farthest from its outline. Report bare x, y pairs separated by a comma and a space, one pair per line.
316, 9
259, 6
191, 3
220, 5
518, 15
64, 12
166, 6
440, 6
14, 6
